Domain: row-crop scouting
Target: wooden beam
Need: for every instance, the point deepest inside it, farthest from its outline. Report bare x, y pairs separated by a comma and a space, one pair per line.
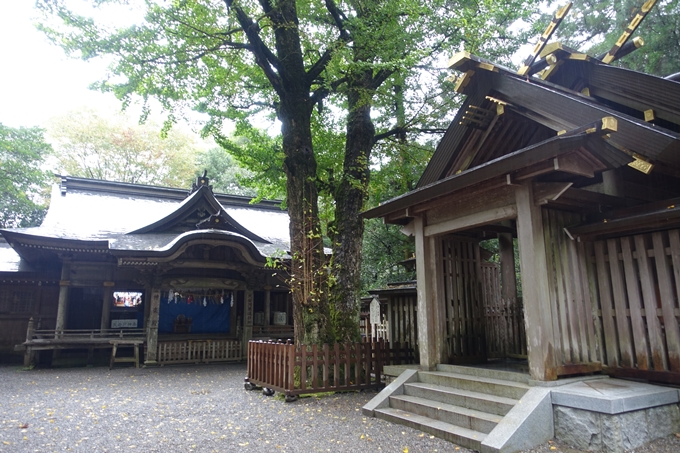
469, 202
472, 220
574, 165
549, 191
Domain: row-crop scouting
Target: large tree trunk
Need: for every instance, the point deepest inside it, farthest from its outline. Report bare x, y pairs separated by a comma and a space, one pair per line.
349, 202
307, 276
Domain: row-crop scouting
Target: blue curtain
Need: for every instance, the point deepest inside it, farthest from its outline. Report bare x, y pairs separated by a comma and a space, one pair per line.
213, 318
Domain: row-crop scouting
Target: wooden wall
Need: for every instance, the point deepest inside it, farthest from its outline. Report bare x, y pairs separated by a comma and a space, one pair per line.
576, 336
614, 301
636, 282
402, 319
19, 301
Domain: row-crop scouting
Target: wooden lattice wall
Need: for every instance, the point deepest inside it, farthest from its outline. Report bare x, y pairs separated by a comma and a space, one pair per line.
576, 343
636, 283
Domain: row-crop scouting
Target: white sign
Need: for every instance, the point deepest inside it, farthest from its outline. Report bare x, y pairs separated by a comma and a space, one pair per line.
123, 323
375, 313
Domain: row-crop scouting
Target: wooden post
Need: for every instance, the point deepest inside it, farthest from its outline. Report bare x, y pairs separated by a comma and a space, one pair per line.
535, 289
62, 307
28, 355
508, 291
267, 306
427, 322
247, 320
106, 306
152, 328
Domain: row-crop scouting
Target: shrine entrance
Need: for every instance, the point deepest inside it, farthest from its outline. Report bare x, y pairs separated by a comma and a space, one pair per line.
483, 315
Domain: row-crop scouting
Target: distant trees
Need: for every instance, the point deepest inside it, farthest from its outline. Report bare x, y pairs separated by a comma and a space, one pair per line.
90, 145
22, 177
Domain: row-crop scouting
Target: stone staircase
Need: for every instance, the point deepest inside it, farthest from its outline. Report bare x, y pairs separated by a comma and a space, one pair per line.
460, 404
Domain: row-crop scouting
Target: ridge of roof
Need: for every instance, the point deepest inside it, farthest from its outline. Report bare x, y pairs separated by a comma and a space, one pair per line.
74, 183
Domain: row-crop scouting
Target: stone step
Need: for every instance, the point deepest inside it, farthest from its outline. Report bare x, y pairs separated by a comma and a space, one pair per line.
484, 402
485, 372
464, 437
449, 413
508, 389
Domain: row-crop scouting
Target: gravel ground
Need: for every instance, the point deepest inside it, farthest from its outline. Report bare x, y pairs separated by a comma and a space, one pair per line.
195, 409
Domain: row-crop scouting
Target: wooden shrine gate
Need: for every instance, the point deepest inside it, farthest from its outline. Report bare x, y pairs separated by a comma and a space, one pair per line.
479, 323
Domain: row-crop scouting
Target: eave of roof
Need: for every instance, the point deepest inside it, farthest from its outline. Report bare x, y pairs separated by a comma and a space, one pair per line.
504, 165
561, 108
173, 248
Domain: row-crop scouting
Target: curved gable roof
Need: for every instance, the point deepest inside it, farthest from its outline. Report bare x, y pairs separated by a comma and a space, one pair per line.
193, 202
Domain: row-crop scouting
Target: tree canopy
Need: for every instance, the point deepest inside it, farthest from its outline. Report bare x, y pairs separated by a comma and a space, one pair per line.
355, 72
22, 178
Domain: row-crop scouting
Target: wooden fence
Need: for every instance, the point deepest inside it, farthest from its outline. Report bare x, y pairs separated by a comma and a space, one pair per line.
637, 286
285, 368
198, 351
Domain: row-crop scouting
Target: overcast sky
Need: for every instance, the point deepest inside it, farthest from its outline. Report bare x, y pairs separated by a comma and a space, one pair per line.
37, 80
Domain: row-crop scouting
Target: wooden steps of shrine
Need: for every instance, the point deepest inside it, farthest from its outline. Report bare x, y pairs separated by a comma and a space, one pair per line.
462, 404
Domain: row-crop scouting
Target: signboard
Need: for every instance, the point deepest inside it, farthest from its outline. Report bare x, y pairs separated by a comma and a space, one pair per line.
375, 313
123, 323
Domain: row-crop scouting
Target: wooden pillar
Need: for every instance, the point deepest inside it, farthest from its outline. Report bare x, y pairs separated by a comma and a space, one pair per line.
535, 289
106, 305
429, 338
62, 307
508, 290
267, 306
247, 320
152, 328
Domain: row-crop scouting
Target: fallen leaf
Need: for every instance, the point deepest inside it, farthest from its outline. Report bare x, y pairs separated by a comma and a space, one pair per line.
23, 426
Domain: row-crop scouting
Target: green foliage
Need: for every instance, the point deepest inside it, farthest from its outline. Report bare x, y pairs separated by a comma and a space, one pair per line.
594, 26
260, 155
22, 179
226, 176
90, 145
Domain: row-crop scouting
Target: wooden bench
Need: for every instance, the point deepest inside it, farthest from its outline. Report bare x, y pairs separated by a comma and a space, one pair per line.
125, 343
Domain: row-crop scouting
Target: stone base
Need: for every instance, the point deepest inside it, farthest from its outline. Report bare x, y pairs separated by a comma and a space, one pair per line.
595, 431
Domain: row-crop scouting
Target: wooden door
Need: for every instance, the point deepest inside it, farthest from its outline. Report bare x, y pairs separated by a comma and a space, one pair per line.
503, 317
463, 299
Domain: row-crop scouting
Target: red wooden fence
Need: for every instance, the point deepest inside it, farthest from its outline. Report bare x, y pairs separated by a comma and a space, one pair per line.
285, 368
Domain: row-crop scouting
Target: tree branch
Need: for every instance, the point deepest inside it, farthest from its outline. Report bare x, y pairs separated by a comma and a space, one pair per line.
264, 57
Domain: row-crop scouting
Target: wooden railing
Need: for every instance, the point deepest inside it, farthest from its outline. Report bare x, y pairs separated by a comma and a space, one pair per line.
199, 351
285, 368
78, 335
